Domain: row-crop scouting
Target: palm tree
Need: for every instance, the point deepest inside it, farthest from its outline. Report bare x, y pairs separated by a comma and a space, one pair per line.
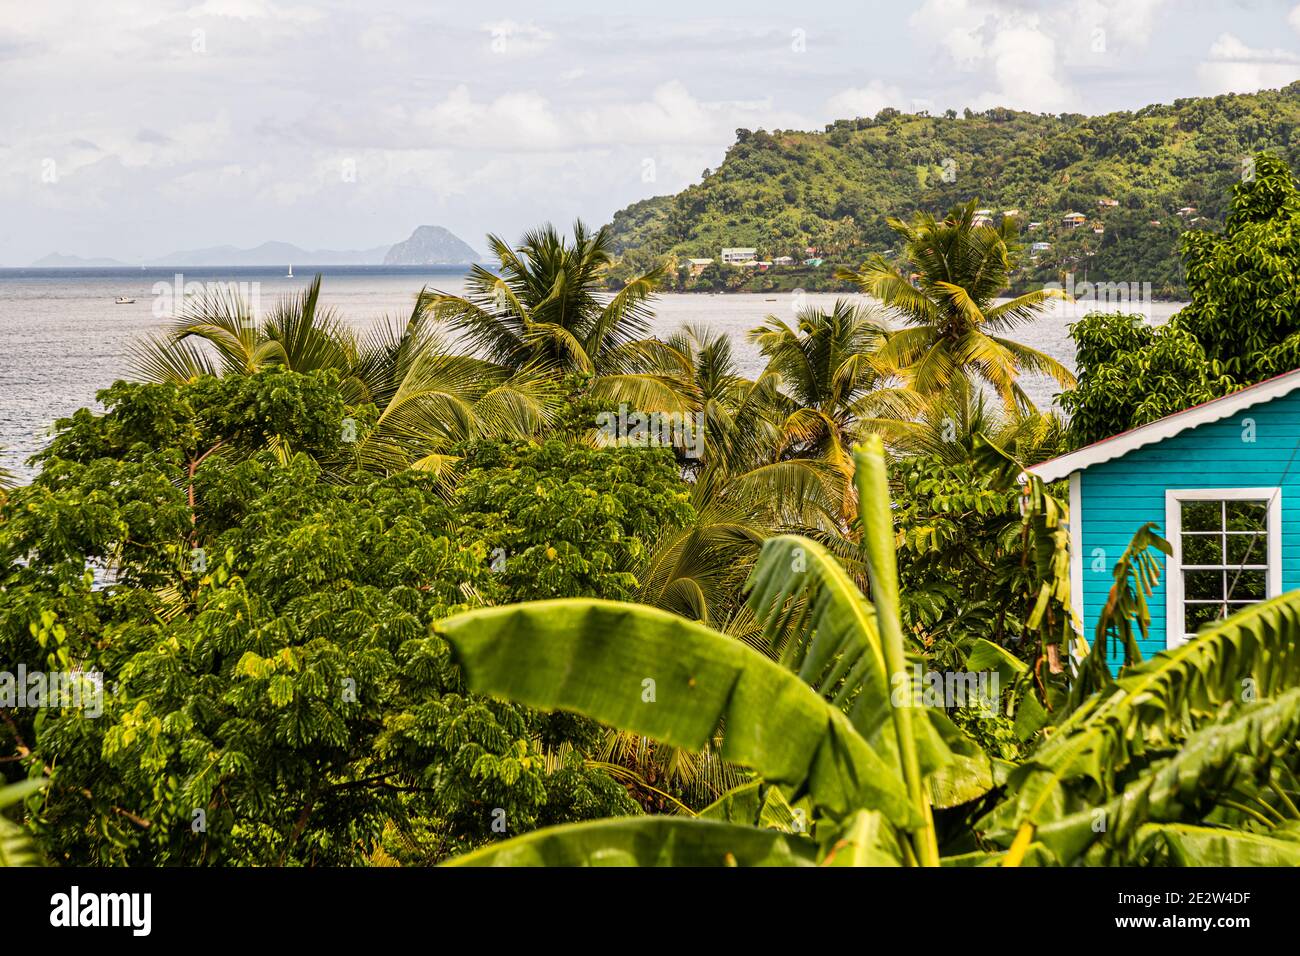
427, 395
956, 270
748, 471
217, 333
431, 398
950, 423
546, 309
834, 388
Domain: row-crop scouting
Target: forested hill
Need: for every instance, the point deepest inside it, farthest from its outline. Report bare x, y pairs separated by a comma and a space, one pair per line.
1128, 173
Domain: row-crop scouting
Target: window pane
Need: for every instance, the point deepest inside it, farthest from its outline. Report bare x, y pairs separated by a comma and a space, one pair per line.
1247, 549
1247, 585
1247, 515
1234, 608
1202, 515
1202, 549
1203, 585
1194, 615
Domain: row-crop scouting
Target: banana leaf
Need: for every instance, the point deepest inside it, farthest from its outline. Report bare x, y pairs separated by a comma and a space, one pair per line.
640, 669
647, 841
1211, 762
1254, 653
1180, 844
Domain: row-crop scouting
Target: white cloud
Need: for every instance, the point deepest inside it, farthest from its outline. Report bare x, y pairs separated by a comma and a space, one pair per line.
510, 37
1014, 49
865, 100
1127, 23
1025, 60
673, 115
1234, 67
525, 121
254, 10
1027, 55
168, 148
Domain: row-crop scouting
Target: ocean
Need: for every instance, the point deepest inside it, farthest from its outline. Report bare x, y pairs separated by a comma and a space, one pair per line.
62, 337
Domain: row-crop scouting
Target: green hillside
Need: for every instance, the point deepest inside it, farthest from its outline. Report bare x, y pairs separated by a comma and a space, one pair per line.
785, 191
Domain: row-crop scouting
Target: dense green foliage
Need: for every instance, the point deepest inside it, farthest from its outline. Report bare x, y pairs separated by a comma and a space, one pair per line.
1242, 325
785, 191
277, 696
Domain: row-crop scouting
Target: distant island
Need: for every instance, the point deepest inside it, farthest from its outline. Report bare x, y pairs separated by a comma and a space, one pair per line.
430, 246
427, 246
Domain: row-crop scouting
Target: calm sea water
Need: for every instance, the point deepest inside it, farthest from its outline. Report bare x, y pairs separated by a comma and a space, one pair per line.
62, 337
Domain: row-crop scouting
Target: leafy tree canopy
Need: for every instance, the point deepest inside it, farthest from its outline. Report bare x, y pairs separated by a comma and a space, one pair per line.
275, 691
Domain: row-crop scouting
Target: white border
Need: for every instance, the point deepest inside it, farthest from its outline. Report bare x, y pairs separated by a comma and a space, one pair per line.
1076, 555
1173, 528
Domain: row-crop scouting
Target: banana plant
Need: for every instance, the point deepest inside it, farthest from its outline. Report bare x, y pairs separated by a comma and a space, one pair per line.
1188, 758
15, 846
830, 726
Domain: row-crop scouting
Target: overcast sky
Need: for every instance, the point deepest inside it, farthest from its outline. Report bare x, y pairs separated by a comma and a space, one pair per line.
132, 129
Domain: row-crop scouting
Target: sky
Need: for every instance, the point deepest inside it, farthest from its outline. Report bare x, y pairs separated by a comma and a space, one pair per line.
133, 128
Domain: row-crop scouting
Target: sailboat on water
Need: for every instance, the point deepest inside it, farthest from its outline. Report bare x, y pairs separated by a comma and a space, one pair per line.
290, 275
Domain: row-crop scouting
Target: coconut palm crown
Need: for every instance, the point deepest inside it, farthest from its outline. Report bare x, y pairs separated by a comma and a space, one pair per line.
956, 268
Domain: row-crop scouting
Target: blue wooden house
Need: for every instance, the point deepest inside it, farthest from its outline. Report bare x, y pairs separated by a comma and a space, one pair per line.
1221, 481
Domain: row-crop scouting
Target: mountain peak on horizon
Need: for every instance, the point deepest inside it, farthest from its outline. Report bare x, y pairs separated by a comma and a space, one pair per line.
431, 246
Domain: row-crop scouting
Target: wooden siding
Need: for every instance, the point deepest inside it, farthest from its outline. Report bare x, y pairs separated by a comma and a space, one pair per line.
1120, 496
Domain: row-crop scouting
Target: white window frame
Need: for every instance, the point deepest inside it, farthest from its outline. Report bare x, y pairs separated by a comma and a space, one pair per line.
1174, 498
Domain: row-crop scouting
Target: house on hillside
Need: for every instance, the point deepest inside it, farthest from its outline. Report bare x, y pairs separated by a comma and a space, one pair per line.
983, 217
1222, 483
1073, 220
698, 265
739, 255
1107, 203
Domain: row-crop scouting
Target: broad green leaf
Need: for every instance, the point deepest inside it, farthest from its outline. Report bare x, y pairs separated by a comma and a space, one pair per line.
647, 841
867, 840
1210, 763
15, 845
1186, 845
1254, 653
644, 670
987, 656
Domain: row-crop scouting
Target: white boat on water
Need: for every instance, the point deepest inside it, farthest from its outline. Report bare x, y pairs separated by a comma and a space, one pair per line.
290, 275
123, 300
